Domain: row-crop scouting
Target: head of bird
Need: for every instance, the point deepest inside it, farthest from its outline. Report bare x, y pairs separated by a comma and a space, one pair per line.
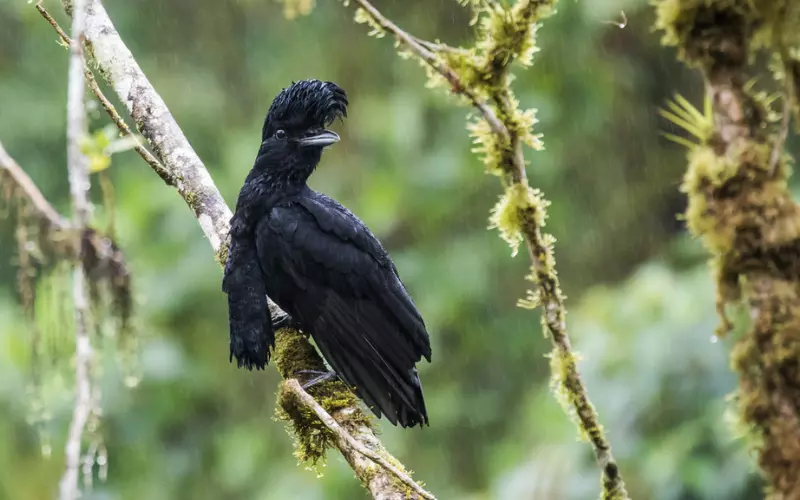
295, 129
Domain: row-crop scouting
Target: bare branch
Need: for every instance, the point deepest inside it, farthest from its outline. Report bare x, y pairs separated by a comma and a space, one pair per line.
110, 109
23, 182
351, 447
78, 167
156, 124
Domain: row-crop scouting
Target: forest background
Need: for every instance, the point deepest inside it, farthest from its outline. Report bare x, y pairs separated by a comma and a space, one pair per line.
640, 295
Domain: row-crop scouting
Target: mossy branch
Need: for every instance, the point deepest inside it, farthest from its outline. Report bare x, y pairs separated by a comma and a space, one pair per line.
740, 205
345, 440
481, 75
178, 164
45, 236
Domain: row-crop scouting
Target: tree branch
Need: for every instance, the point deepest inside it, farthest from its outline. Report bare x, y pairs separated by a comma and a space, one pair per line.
156, 124
58, 237
78, 167
484, 71
110, 109
197, 188
351, 448
19, 179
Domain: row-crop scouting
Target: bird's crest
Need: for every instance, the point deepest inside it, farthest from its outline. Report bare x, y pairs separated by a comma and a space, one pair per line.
306, 104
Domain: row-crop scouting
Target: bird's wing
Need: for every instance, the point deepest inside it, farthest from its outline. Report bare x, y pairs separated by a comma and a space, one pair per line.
251, 332
352, 301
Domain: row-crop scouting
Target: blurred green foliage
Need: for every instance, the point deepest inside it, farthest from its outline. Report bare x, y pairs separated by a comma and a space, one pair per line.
641, 300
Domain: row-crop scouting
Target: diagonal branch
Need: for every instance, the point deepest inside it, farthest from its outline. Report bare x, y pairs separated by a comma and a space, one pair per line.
156, 124
20, 179
348, 444
91, 82
195, 185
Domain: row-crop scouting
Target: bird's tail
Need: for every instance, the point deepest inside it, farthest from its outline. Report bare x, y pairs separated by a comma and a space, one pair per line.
386, 388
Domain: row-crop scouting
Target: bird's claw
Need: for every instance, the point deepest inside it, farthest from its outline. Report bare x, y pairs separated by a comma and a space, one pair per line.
320, 377
285, 321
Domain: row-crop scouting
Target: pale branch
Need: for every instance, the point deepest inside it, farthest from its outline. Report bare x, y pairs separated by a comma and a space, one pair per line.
91, 82
156, 124
354, 451
78, 167
192, 180
18, 178
494, 68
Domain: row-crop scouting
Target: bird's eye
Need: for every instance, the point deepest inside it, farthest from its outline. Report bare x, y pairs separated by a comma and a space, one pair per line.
280, 134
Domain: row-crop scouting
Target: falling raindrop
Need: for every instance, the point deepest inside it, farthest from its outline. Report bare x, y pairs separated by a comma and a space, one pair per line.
714, 339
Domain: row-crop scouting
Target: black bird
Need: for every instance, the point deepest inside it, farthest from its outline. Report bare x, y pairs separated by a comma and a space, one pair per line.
320, 264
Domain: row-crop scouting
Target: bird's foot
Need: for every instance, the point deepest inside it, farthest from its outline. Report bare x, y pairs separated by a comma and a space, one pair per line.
319, 378
284, 321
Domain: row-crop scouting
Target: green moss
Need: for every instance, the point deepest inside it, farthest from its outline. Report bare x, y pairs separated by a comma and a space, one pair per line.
293, 353
700, 29
222, 253
769, 392
191, 200
739, 204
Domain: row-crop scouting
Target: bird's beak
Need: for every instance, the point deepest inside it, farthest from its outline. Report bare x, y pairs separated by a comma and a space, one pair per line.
322, 139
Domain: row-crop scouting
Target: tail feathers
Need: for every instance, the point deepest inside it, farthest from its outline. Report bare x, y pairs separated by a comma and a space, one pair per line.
389, 385
387, 392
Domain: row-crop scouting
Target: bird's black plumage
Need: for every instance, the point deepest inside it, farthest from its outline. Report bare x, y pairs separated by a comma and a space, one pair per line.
320, 264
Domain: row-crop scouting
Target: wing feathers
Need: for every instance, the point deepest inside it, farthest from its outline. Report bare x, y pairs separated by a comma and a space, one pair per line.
353, 303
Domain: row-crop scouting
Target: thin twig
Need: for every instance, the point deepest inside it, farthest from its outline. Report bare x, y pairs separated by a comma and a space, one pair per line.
78, 167
23, 182
347, 440
434, 62
91, 82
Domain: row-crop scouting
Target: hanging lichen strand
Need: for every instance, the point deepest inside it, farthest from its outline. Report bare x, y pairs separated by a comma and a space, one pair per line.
739, 204
480, 76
